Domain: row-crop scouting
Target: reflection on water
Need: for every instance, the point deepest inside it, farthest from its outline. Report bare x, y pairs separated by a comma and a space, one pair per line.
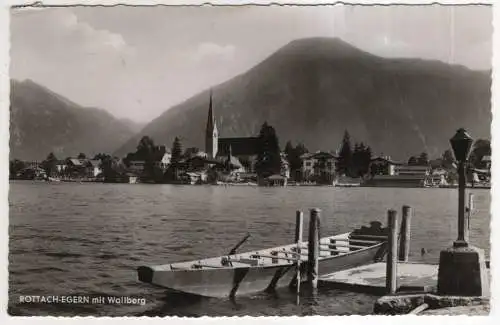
88, 239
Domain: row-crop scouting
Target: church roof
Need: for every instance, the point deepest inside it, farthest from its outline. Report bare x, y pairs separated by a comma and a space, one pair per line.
211, 119
239, 146
235, 162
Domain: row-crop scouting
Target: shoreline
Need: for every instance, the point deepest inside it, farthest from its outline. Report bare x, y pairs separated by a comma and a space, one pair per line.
251, 184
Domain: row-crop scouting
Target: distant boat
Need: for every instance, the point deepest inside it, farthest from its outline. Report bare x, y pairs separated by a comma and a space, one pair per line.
256, 271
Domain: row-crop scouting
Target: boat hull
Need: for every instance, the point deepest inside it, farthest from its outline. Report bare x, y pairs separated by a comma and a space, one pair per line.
228, 282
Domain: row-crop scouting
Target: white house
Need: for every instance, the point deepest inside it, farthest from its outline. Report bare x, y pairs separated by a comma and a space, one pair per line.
318, 164
94, 167
164, 162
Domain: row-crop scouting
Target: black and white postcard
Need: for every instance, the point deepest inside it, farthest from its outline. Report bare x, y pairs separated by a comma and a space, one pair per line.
249, 160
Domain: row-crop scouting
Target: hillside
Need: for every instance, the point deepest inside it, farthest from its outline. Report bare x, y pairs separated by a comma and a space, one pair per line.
42, 121
311, 90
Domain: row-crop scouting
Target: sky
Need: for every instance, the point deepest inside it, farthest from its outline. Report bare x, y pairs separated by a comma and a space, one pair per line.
136, 62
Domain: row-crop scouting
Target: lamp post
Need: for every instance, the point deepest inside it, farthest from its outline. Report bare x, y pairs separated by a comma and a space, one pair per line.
462, 268
461, 143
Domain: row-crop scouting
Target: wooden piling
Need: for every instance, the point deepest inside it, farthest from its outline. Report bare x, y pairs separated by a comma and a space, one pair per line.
391, 269
299, 218
404, 243
313, 248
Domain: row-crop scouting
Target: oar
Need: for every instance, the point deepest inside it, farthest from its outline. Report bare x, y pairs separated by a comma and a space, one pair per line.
235, 248
227, 261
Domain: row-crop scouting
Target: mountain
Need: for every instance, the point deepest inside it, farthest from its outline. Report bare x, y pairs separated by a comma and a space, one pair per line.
313, 89
42, 121
133, 125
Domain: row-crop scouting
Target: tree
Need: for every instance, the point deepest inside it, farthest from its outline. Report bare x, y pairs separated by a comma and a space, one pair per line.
191, 152
149, 153
101, 156
245, 162
268, 156
423, 159
81, 155
50, 164
176, 151
107, 168
357, 156
448, 159
15, 166
289, 149
480, 149
145, 149
361, 158
413, 161
293, 155
344, 163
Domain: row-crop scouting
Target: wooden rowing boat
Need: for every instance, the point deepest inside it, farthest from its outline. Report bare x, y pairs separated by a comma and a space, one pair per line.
266, 269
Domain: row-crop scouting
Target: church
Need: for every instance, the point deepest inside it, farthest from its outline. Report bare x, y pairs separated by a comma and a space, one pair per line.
242, 151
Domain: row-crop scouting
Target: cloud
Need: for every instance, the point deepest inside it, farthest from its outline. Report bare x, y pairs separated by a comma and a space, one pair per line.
58, 49
60, 30
211, 51
92, 38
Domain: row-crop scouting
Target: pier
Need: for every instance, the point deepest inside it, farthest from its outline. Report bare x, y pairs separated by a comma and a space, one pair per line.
371, 278
409, 287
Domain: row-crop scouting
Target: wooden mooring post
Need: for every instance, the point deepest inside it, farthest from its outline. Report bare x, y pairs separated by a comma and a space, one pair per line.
392, 254
405, 233
299, 221
313, 248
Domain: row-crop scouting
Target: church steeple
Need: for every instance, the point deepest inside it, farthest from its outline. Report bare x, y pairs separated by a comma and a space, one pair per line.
211, 134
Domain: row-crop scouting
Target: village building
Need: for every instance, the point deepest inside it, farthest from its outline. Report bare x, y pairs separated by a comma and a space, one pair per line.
243, 149
382, 166
164, 162
319, 167
88, 168
93, 167
32, 164
131, 178
387, 173
285, 166
481, 177
32, 173
61, 166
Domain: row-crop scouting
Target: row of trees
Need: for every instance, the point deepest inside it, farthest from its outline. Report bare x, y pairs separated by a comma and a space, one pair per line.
269, 153
353, 162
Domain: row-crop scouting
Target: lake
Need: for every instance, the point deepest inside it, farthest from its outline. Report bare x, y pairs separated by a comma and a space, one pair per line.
88, 239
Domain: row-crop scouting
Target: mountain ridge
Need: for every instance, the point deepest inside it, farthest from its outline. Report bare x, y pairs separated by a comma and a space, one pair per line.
311, 90
43, 121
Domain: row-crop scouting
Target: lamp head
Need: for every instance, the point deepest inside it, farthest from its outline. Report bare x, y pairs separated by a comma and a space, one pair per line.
461, 143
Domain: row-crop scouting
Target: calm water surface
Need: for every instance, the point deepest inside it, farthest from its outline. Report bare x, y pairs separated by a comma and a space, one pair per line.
88, 239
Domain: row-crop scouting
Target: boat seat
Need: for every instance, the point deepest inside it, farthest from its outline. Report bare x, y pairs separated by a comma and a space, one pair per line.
200, 266
250, 261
